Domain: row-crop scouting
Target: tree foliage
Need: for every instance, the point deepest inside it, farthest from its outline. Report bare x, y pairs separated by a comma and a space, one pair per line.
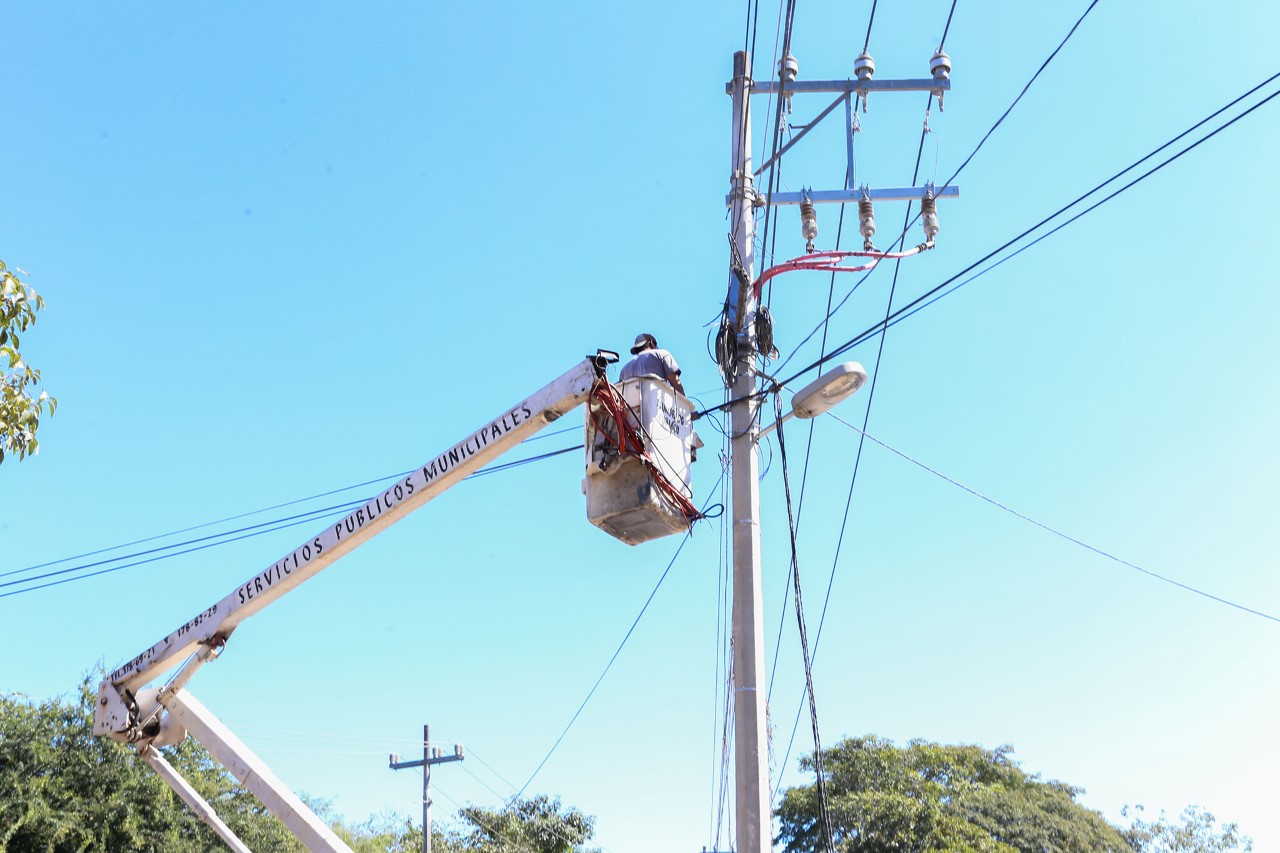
930, 797
535, 825
64, 790
20, 412
1196, 832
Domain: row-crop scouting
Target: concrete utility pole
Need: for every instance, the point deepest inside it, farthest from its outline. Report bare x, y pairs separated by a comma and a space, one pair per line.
430, 756
752, 813
754, 830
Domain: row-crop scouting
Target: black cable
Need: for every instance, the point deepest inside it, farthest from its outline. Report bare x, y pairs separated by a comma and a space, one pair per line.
683, 541
161, 557
1056, 532
899, 315
946, 29
957, 172
1003, 115
875, 374
245, 515
863, 336
1022, 249
249, 531
775, 171
493, 469
804, 474
866, 44
200, 526
307, 516
824, 810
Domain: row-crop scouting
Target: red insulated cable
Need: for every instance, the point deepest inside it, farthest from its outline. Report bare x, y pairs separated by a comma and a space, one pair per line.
629, 443
829, 262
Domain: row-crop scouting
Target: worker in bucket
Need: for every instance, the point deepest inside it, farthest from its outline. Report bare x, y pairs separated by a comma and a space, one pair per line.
648, 360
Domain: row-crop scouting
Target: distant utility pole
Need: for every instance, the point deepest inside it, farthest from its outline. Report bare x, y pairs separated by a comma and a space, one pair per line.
430, 755
752, 810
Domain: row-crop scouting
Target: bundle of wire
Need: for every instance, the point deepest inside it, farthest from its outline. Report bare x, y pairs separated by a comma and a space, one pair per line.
623, 435
831, 262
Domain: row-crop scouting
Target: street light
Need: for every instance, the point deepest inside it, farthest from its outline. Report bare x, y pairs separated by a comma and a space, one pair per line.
828, 390
824, 393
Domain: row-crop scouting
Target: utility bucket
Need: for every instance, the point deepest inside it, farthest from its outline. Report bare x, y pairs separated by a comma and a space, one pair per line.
639, 443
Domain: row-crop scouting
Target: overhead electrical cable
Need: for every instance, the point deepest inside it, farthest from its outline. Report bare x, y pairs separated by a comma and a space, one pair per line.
775, 169
946, 29
1039, 70
924, 299
966, 161
869, 332
163, 556
683, 541
824, 808
1055, 531
310, 515
471, 753
866, 417
238, 516
465, 769
721, 679
235, 517
222, 538
824, 325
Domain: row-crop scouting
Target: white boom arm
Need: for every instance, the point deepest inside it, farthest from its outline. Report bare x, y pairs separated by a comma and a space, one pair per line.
120, 715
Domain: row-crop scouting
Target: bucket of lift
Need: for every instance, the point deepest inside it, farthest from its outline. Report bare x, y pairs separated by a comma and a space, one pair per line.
624, 495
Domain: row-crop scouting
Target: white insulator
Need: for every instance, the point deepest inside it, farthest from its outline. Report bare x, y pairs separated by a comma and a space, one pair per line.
808, 223
866, 222
940, 66
929, 217
864, 67
788, 69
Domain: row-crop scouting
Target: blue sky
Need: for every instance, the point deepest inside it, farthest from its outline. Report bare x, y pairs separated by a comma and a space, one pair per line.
293, 248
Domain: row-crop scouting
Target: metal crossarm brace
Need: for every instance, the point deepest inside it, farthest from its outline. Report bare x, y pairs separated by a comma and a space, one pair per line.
803, 87
854, 196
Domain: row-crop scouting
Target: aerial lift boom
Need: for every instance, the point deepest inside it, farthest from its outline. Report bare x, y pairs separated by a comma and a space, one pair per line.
153, 717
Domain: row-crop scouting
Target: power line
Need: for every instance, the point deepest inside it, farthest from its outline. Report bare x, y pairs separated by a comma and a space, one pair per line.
249, 531
146, 539
293, 502
155, 559
824, 810
915, 175
1005, 114
1054, 531
310, 515
869, 332
871, 19
683, 541
957, 172
946, 29
920, 302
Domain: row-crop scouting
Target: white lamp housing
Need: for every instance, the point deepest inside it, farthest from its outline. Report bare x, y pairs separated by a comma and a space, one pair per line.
828, 390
